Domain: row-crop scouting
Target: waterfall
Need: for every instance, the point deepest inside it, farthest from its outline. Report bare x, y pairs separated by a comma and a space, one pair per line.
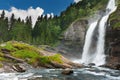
93, 51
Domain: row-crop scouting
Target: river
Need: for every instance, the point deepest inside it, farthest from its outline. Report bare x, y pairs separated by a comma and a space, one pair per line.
94, 73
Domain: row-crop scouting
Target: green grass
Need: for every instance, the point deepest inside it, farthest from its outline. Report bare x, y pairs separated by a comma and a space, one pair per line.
44, 60
1, 65
9, 46
56, 58
25, 54
48, 59
28, 53
21, 45
1, 57
21, 50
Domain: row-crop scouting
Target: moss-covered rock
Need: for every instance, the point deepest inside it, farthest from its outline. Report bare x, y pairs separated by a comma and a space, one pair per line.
18, 52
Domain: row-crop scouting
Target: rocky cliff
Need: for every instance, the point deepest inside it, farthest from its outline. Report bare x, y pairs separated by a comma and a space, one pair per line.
73, 39
113, 39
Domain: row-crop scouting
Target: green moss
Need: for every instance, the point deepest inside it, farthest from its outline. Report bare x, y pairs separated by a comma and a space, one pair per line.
1, 65
44, 60
20, 45
48, 59
56, 58
2, 59
9, 46
1, 54
28, 53
25, 54
20, 50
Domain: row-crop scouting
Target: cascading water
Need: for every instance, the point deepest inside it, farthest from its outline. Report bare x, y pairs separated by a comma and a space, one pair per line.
87, 57
94, 52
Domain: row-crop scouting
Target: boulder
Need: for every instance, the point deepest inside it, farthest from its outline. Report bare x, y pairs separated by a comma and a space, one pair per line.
112, 66
63, 66
91, 64
13, 58
67, 71
18, 68
118, 66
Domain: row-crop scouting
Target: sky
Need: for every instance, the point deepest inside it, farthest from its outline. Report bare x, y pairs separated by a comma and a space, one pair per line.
49, 6
34, 8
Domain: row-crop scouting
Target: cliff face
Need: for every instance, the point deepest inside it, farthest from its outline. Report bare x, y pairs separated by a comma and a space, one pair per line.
76, 32
113, 38
73, 39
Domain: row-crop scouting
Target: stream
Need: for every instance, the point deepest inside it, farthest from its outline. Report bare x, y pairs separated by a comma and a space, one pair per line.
94, 73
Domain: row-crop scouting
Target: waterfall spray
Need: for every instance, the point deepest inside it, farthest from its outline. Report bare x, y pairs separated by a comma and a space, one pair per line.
97, 56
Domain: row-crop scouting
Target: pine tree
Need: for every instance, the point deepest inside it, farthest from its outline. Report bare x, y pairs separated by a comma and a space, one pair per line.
3, 14
36, 31
3, 28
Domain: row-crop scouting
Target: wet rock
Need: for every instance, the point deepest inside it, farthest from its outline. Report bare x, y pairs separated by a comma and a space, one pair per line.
18, 68
6, 51
72, 39
112, 66
67, 72
117, 66
91, 64
57, 65
13, 58
76, 65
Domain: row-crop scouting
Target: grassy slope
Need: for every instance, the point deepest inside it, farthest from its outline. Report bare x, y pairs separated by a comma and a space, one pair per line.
26, 52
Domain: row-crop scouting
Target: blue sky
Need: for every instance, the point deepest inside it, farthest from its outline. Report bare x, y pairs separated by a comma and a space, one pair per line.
33, 8
49, 6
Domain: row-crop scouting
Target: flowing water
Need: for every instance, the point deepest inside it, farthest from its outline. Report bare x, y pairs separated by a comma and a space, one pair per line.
95, 73
93, 51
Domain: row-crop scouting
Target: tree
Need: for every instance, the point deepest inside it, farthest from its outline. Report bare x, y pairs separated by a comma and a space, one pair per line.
12, 20
3, 29
3, 14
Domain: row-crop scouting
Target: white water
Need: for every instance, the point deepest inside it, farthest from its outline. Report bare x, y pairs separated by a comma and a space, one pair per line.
94, 73
98, 57
86, 57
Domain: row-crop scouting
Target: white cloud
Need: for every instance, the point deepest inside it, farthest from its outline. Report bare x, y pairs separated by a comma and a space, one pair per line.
76, 1
34, 13
48, 15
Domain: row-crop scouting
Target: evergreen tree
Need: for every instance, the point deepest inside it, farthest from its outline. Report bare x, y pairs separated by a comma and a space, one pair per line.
3, 28
3, 14
36, 31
